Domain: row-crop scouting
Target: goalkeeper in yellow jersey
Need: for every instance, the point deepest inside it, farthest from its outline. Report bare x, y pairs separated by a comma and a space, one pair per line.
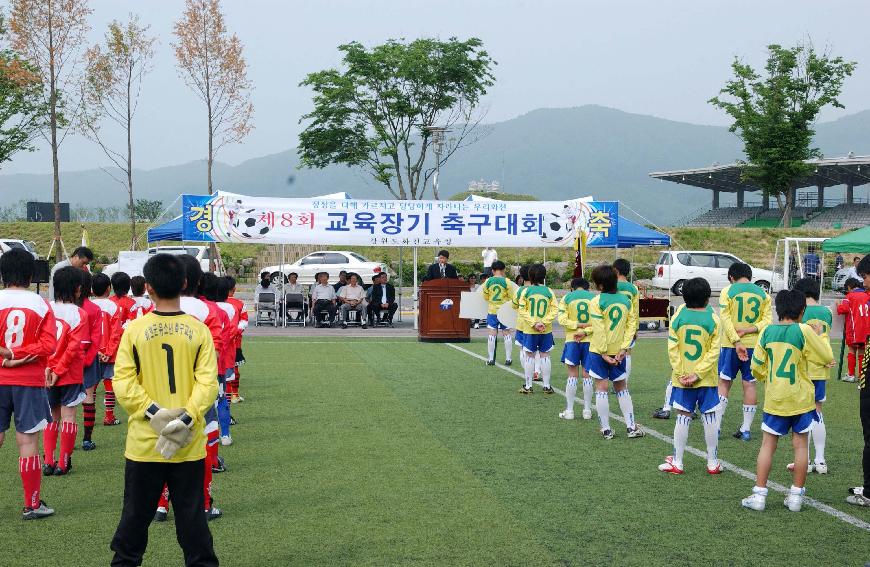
165, 378
693, 350
780, 362
497, 290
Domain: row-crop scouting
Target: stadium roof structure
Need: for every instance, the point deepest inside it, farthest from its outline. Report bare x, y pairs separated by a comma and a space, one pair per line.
850, 171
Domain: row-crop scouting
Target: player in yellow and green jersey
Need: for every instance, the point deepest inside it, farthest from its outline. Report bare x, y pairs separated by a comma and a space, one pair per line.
820, 319
574, 317
781, 358
609, 314
166, 380
497, 290
522, 283
536, 310
629, 290
693, 350
744, 309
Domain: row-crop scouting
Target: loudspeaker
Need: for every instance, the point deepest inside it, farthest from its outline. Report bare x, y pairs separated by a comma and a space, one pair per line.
41, 274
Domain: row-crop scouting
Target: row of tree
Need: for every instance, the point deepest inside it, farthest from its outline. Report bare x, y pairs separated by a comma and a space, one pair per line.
145, 210
53, 84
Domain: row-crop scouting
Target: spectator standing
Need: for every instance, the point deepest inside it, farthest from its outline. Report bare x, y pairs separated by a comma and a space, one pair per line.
489, 256
839, 263
812, 263
853, 271
80, 258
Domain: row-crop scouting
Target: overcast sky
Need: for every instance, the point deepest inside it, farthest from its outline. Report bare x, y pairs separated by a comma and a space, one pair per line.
664, 57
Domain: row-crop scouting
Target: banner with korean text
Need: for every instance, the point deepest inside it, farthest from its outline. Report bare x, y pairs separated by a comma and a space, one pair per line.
229, 217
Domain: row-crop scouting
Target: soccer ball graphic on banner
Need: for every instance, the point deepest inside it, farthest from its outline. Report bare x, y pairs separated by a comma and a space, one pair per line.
251, 223
557, 228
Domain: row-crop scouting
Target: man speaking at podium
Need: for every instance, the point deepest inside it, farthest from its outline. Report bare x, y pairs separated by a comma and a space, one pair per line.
441, 269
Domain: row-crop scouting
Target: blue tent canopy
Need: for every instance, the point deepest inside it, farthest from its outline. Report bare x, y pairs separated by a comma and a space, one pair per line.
631, 234
167, 231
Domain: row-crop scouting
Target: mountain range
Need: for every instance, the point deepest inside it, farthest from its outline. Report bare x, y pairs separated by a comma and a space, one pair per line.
552, 154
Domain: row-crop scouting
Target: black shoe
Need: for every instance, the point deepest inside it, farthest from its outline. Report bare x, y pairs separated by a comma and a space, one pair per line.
662, 413
160, 515
88, 445
549, 391
219, 467
364, 326
43, 511
47, 469
490, 363
343, 325
508, 362
213, 513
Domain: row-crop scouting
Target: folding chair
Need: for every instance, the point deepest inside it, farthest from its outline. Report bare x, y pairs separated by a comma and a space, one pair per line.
295, 309
267, 304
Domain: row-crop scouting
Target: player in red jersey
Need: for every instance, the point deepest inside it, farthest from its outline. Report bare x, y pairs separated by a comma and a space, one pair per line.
27, 339
141, 304
233, 385
113, 327
91, 374
65, 368
227, 361
207, 313
855, 308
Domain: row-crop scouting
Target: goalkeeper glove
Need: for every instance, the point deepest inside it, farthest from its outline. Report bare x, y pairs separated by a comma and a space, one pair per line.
177, 434
158, 417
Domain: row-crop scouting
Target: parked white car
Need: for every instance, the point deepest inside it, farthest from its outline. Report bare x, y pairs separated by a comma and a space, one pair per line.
329, 261
8, 244
675, 267
132, 262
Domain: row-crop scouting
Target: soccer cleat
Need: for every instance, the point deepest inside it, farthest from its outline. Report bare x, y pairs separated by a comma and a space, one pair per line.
226, 440
662, 413
43, 511
220, 466
742, 435
490, 363
525, 390
820, 468
508, 362
549, 390
848, 378
566, 415
755, 502
669, 467
241, 399
858, 499
161, 514
587, 414
715, 469
88, 445
235, 399
635, 432
607, 433
794, 500
213, 513
47, 469
111, 421
790, 467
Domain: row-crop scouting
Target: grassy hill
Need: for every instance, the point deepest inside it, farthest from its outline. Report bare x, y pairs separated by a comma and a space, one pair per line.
754, 245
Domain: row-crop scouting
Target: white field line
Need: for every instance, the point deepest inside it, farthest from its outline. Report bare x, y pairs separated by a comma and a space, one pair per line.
849, 519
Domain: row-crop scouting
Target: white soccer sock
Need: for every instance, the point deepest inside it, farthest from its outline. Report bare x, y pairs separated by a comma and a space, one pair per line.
681, 438
537, 363
748, 415
529, 374
627, 407
711, 437
570, 393
820, 435
524, 360
490, 346
668, 391
587, 393
720, 411
603, 407
508, 347
627, 368
546, 370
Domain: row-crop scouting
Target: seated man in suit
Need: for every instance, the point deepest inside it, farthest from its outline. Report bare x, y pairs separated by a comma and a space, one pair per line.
382, 299
441, 269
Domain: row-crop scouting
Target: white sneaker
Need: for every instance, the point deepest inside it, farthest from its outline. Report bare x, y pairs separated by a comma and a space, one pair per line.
790, 468
226, 440
821, 468
848, 378
794, 500
757, 500
566, 414
635, 432
587, 414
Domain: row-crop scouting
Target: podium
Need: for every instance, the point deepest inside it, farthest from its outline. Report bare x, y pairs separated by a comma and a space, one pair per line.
439, 318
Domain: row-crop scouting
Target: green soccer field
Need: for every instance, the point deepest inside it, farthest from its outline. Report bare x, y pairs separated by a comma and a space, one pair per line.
393, 452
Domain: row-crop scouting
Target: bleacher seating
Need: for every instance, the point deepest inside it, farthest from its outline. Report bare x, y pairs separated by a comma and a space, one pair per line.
725, 216
856, 215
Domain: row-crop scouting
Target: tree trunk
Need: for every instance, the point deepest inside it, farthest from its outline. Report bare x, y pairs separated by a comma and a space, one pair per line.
789, 206
212, 248
55, 166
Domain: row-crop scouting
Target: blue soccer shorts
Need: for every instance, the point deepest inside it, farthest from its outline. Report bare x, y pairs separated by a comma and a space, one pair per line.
519, 336
492, 322
69, 395
730, 364
599, 369
575, 354
821, 394
705, 398
108, 370
92, 374
29, 405
781, 424
538, 342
